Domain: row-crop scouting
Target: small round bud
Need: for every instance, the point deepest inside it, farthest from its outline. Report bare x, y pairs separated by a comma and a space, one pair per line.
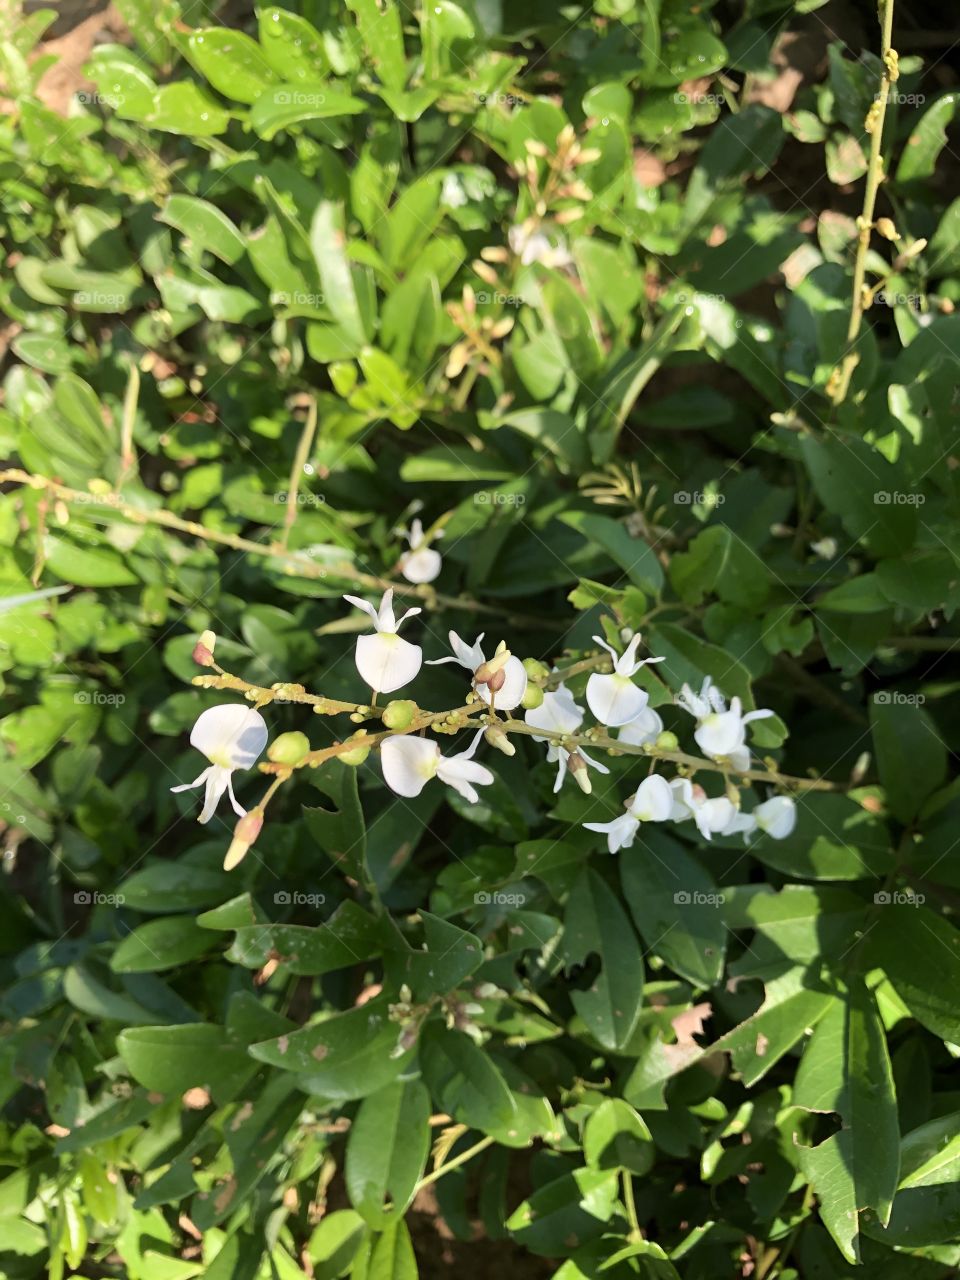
578, 768
357, 754
289, 748
399, 714
536, 671
532, 697
203, 649
668, 741
886, 228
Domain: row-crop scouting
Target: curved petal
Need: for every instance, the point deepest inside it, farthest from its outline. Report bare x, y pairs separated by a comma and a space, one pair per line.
365, 605
720, 733
460, 773
615, 700
386, 662
422, 565
620, 833
647, 727
510, 694
684, 800
692, 703
653, 801
468, 655
777, 817
627, 665
415, 536
238, 808
385, 621
408, 764
189, 786
232, 735
594, 764
558, 712
217, 782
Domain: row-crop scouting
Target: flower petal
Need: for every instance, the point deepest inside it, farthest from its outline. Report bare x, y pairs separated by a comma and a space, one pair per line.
386, 662
558, 712
615, 700
217, 782
459, 772
422, 565
653, 801
647, 727
620, 833
408, 764
777, 816
232, 735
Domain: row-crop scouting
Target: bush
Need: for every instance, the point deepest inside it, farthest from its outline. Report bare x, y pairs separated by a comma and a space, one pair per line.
634, 381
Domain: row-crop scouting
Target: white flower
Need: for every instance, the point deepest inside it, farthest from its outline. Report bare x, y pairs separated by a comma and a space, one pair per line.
384, 660
776, 817
646, 727
614, 699
652, 802
714, 816
409, 763
421, 563
231, 736
452, 193
558, 713
531, 245
825, 548
510, 693
720, 733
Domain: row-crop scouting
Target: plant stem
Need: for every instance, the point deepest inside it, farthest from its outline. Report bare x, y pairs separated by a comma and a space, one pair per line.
839, 383
455, 1163
296, 471
636, 1234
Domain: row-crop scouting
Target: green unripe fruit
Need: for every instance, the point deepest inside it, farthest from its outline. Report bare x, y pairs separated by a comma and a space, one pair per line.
536, 670
399, 714
359, 753
532, 697
288, 749
668, 741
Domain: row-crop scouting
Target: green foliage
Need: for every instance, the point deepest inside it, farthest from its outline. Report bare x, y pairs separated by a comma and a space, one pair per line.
616, 400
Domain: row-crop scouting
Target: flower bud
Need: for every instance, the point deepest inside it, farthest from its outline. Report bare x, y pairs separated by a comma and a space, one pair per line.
578, 767
244, 835
359, 753
497, 738
491, 673
668, 741
536, 671
203, 649
289, 748
532, 697
886, 228
399, 713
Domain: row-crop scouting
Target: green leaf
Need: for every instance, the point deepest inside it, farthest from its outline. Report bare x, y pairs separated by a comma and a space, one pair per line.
174, 1059
576, 1204
160, 944
206, 225
719, 561
341, 832
674, 902
920, 953
595, 924
747, 142
387, 1150
232, 62
464, 1081
86, 566
382, 34
348, 937
791, 1007
183, 107
858, 484
911, 756
846, 1069
926, 1208
328, 241
293, 47
347, 1055
392, 1257
280, 106
924, 144
835, 839
616, 1137
635, 557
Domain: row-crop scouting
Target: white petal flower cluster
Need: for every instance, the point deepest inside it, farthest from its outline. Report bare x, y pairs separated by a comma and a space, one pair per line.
504, 694
385, 661
410, 762
231, 736
422, 563
720, 734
